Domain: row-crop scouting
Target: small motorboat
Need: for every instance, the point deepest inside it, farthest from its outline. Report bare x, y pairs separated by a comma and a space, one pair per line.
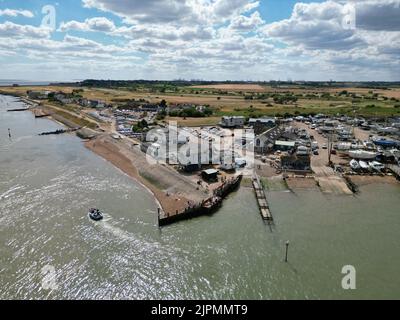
95, 214
364, 165
354, 165
362, 154
377, 166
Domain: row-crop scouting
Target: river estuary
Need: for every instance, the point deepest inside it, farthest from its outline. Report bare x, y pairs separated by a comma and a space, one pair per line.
48, 183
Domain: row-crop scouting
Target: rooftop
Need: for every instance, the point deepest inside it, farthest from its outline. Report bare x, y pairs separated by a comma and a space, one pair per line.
286, 143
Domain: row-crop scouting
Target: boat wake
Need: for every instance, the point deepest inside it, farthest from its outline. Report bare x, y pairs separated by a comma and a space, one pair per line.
108, 226
10, 192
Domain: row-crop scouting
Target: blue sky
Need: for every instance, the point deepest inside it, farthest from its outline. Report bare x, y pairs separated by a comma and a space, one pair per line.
201, 39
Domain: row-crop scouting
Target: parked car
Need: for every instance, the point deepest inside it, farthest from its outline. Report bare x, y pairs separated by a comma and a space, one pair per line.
316, 152
324, 146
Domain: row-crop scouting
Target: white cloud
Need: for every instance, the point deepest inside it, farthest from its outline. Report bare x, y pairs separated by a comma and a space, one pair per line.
10, 29
100, 24
216, 39
174, 11
15, 13
243, 23
316, 26
378, 15
149, 11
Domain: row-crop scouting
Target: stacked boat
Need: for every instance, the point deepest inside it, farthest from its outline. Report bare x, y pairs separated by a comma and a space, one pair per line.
376, 166
366, 166
355, 165
363, 154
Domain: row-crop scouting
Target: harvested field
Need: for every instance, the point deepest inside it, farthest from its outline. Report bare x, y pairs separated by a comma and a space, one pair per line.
234, 87
196, 122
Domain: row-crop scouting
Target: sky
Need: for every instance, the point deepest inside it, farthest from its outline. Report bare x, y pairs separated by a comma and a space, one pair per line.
217, 40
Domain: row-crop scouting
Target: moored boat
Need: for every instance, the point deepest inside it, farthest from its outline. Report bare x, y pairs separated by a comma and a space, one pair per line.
362, 154
377, 166
354, 165
95, 214
364, 165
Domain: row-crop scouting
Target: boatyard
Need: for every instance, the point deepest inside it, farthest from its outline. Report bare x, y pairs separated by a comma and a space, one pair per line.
330, 153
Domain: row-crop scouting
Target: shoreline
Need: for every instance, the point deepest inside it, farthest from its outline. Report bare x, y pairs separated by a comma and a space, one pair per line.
170, 194
109, 150
91, 148
168, 203
121, 164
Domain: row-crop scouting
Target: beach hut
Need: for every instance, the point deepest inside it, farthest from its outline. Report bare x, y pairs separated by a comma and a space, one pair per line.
210, 175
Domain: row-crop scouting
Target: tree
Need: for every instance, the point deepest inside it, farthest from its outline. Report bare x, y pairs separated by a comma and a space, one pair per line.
163, 104
143, 124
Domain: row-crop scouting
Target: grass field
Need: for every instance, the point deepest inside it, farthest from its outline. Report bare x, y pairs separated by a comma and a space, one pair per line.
250, 100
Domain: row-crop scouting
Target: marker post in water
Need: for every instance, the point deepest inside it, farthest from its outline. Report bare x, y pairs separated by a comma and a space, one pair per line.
287, 250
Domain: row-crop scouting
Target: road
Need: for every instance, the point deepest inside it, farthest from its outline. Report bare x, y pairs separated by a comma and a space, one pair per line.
328, 180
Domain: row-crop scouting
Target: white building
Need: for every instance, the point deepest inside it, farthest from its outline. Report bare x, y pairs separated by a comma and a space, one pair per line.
232, 121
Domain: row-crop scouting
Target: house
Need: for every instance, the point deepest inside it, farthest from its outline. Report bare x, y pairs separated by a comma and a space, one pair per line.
302, 151
232, 121
38, 95
265, 142
97, 104
296, 163
150, 107
200, 108
83, 102
63, 98
261, 124
284, 145
210, 175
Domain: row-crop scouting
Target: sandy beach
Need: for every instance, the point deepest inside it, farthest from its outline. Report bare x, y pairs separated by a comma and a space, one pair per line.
367, 180
173, 191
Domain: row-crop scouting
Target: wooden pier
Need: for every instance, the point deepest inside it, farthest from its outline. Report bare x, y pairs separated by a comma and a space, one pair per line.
262, 199
207, 207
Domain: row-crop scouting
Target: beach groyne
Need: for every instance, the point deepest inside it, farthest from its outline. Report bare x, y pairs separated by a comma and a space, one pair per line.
59, 131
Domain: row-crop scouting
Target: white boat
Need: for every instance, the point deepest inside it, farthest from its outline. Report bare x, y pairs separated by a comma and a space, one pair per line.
354, 165
362, 154
377, 166
387, 130
364, 165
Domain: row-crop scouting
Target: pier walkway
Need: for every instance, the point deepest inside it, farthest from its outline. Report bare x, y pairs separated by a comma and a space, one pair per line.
262, 199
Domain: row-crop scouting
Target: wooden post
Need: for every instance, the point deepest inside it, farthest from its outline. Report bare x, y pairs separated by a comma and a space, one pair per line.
287, 250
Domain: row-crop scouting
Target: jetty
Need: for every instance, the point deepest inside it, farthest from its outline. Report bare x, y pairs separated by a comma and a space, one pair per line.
59, 131
206, 207
17, 110
262, 199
